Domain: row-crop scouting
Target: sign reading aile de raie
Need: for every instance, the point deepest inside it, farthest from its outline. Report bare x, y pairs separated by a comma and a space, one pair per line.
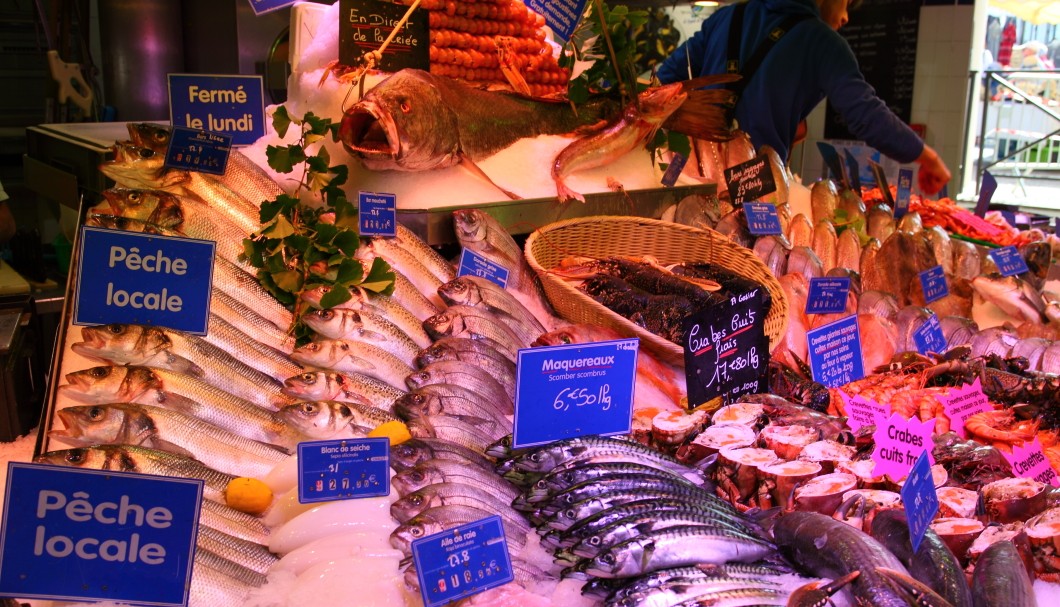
143, 279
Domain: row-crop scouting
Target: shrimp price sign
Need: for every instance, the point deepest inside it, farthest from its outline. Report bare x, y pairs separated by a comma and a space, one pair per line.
1029, 461
573, 390
835, 352
72, 535
343, 469
750, 180
233, 105
726, 350
964, 402
143, 279
462, 561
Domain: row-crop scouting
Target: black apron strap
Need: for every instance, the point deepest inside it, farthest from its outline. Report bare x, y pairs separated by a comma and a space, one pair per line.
732, 63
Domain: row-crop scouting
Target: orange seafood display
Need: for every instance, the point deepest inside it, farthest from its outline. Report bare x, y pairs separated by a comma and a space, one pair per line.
946, 214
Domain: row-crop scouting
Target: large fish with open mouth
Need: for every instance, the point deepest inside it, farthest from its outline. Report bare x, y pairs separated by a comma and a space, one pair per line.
414, 121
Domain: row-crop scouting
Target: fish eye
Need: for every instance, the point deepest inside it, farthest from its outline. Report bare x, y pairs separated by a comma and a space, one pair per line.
535, 457
308, 378
146, 153
309, 408
95, 413
116, 329
326, 314
419, 399
416, 531
566, 339
98, 372
416, 500
608, 558
75, 456
312, 346
594, 540
571, 514
405, 106
416, 476
134, 197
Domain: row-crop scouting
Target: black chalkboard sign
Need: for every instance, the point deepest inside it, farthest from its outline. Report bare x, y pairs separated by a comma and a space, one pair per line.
365, 24
726, 350
883, 36
750, 180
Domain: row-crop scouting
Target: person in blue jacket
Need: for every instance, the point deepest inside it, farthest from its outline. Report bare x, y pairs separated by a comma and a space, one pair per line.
807, 62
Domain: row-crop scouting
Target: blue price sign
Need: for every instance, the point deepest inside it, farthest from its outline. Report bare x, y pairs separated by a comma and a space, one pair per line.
267, 6
986, 193
573, 390
462, 561
71, 534
377, 214
233, 105
762, 218
143, 279
828, 295
835, 352
933, 284
929, 338
673, 171
560, 15
854, 171
198, 151
919, 499
905, 189
343, 469
1009, 261
473, 264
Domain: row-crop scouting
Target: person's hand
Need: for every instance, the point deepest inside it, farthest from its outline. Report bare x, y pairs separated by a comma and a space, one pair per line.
933, 173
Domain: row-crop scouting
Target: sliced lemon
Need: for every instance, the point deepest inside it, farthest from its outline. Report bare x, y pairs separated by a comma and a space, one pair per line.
396, 431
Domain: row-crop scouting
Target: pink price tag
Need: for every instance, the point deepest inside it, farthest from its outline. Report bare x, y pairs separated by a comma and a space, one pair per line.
962, 403
899, 442
863, 411
1029, 461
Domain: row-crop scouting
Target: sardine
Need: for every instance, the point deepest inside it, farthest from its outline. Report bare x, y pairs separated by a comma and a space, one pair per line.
233, 522
478, 292
474, 323
572, 451
213, 584
347, 388
466, 375
676, 547
181, 353
829, 548
1016, 297
166, 430
247, 320
253, 556
217, 564
268, 360
825, 244
345, 356
128, 458
329, 419
638, 122
933, 563
366, 328
425, 449
147, 386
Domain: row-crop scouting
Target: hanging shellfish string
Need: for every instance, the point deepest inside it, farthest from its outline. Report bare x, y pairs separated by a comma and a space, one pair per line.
372, 58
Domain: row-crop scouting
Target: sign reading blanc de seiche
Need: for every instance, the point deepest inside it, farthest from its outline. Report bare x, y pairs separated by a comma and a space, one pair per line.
574, 390
233, 105
143, 279
364, 26
72, 534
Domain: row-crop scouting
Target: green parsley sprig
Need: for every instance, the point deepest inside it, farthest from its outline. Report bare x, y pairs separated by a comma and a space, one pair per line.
301, 247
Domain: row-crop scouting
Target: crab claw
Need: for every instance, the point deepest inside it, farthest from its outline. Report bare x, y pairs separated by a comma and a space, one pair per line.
819, 594
916, 592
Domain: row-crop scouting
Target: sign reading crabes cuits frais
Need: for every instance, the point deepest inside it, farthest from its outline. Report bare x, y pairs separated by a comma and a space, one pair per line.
364, 25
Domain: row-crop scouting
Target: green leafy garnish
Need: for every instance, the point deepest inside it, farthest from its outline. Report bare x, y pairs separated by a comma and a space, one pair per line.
304, 246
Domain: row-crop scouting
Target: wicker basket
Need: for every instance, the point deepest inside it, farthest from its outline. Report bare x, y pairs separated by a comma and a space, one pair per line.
606, 236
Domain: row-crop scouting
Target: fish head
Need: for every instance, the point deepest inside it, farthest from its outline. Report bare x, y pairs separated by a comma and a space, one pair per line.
412, 505
109, 384
658, 102
86, 425
153, 206
325, 353
607, 564
138, 167
152, 136
423, 403
460, 291
410, 453
116, 222
501, 448
312, 296
325, 321
416, 528
121, 343
443, 324
316, 417
404, 124
470, 225
415, 478
419, 379
314, 385
102, 457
